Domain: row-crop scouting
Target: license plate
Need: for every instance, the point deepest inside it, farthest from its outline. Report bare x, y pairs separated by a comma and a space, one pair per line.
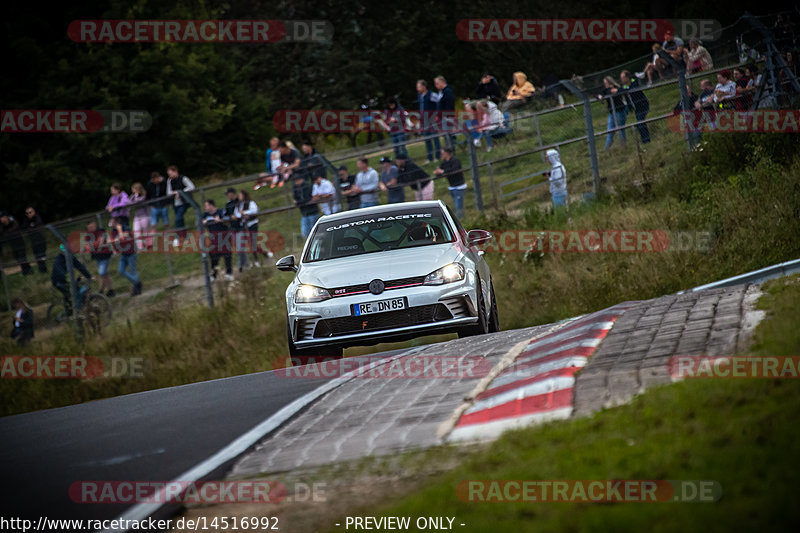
381, 306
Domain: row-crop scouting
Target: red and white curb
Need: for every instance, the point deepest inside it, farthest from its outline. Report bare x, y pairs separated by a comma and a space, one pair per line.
539, 385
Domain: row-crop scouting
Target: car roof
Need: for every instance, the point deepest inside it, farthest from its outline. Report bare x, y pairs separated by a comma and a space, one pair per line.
386, 208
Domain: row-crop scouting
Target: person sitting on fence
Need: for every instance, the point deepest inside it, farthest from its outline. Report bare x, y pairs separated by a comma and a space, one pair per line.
651, 67
557, 176
724, 91
23, 322
290, 160
97, 245
272, 165
706, 97
617, 110
489, 89
697, 57
520, 92
491, 124
58, 276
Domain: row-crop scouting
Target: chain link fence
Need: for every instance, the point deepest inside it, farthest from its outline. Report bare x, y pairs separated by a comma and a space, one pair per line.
595, 134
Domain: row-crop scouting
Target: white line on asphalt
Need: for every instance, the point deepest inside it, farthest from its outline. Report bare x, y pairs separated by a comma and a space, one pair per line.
141, 511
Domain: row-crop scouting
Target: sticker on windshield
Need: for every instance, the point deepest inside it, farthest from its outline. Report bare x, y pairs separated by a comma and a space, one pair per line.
347, 225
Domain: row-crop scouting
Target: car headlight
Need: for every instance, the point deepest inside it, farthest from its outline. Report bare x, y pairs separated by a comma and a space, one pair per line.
310, 294
446, 274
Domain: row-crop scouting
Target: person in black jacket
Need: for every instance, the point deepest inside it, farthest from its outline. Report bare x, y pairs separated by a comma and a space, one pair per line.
10, 233
638, 101
23, 322
58, 276
411, 174
617, 109
489, 88
33, 224
309, 211
447, 109
221, 239
156, 189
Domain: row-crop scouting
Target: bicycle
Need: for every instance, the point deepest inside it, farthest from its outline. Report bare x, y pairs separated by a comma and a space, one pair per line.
94, 309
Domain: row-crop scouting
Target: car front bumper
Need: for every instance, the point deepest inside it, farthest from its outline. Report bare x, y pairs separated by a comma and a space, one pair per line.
430, 309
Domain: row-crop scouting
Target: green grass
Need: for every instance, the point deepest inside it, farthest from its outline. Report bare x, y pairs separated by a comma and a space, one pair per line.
740, 433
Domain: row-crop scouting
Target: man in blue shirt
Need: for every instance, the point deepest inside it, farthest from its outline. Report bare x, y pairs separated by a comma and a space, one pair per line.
390, 181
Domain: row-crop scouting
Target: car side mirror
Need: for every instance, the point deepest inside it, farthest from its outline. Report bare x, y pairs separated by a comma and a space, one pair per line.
286, 264
478, 236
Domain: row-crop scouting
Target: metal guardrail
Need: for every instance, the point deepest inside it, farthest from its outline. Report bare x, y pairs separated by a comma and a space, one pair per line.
756, 276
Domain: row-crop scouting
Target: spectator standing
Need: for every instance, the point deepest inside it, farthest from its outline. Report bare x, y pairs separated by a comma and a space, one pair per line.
346, 182
309, 211
141, 218
23, 322
10, 233
324, 193
427, 111
117, 203
177, 183
33, 225
557, 176
394, 120
697, 57
637, 101
412, 175
451, 169
100, 249
488, 88
366, 184
390, 181
236, 227
446, 106
157, 193
125, 245
247, 213
214, 222
520, 92
617, 111
58, 276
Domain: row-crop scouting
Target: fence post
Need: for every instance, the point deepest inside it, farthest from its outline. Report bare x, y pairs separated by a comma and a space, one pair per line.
199, 219
587, 117
539, 134
73, 292
473, 161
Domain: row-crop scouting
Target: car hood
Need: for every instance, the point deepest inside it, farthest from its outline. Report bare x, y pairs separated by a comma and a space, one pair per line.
392, 264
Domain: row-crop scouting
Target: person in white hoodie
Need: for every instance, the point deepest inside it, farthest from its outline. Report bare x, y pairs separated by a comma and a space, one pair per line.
557, 175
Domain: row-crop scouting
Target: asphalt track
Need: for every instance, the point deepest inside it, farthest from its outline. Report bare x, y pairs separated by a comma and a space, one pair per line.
148, 436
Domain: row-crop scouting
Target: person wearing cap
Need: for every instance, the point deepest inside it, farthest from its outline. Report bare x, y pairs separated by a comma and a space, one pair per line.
366, 184
323, 192
390, 181
557, 175
451, 168
346, 182
309, 211
412, 175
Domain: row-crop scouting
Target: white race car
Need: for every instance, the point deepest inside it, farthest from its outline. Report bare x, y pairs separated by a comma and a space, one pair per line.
387, 273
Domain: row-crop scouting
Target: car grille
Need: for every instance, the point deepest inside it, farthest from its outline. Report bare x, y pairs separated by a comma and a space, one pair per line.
389, 285
412, 316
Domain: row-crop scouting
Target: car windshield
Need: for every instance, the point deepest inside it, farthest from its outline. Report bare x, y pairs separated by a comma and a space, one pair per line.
364, 234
